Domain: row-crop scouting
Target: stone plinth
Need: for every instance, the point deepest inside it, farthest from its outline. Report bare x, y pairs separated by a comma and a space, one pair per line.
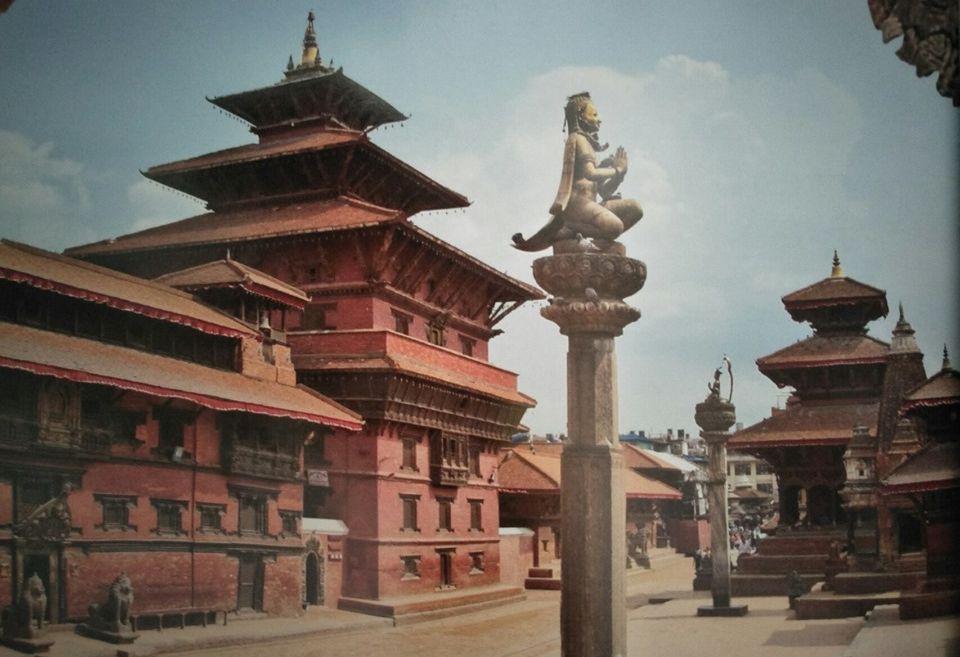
715, 416
588, 290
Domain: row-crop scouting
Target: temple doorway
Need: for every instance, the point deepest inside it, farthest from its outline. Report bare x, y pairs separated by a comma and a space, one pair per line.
314, 579
446, 569
250, 583
909, 533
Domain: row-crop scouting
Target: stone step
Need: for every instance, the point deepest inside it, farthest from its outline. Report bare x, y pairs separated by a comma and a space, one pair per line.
759, 564
865, 583
435, 605
798, 544
766, 585
830, 605
542, 583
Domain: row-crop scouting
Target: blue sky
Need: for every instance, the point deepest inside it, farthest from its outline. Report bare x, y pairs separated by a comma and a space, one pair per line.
762, 135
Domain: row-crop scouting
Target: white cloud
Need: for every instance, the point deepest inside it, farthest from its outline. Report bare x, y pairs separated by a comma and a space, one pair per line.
42, 196
153, 204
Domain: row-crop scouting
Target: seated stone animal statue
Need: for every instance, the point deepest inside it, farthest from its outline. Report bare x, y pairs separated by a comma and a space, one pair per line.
114, 614
27, 618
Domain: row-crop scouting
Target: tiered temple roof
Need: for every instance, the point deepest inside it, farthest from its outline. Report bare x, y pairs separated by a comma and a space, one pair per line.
837, 372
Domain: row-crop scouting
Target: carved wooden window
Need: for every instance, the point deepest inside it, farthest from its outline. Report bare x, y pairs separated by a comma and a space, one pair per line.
476, 515
476, 563
409, 461
32, 494
445, 514
475, 459
116, 512
401, 322
211, 517
449, 459
264, 447
290, 523
411, 566
18, 408
315, 501
253, 514
171, 427
436, 333
169, 516
467, 345
409, 503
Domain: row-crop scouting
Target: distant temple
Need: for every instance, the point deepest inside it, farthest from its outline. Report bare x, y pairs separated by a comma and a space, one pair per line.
395, 325
865, 454
842, 378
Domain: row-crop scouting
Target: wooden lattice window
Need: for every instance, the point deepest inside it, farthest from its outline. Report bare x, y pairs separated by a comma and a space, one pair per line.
409, 503
116, 512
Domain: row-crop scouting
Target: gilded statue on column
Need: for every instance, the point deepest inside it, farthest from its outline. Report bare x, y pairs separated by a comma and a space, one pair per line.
588, 214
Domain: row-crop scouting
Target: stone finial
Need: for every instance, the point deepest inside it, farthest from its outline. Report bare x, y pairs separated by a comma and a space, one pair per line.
311, 53
903, 340
946, 358
837, 271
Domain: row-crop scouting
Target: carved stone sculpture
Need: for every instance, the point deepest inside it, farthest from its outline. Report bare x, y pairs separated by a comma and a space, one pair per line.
23, 623
588, 213
110, 621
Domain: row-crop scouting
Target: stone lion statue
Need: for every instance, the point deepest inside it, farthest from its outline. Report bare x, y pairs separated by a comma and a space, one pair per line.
27, 618
114, 614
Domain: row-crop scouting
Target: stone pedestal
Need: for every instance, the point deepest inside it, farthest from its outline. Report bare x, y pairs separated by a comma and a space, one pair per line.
715, 416
588, 291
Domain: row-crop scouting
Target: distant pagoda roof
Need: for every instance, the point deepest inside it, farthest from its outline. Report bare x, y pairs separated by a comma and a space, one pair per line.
312, 92
230, 274
837, 302
805, 423
323, 95
825, 351
935, 467
941, 389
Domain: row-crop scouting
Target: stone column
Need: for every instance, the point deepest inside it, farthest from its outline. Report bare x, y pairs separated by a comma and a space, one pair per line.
715, 416
588, 291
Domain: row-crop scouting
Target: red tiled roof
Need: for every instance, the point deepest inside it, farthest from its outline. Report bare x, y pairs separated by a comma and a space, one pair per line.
88, 361
248, 224
809, 423
935, 467
298, 98
416, 367
822, 350
82, 280
259, 151
833, 290
230, 273
941, 389
540, 472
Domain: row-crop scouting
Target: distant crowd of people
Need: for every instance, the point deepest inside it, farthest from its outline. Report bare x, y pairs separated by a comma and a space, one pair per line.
744, 536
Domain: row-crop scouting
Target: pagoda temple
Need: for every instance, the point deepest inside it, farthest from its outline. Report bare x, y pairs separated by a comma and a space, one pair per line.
396, 326
847, 386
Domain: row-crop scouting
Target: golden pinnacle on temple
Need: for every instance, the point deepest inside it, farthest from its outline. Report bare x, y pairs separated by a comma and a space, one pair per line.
837, 271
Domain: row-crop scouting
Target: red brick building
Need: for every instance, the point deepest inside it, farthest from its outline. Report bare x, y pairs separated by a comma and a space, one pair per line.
142, 431
396, 327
